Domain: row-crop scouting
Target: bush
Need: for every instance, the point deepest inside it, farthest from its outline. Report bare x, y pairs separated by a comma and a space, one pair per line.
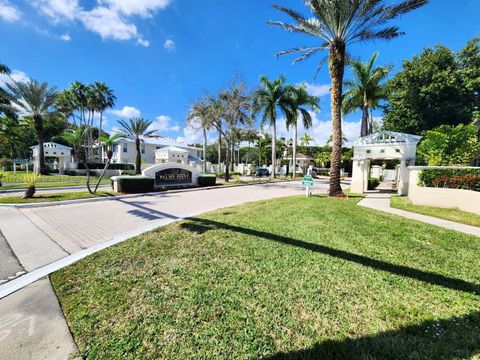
135, 184
100, 166
468, 179
373, 183
207, 180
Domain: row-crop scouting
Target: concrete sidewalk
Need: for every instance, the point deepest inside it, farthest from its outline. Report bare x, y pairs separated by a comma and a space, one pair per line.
381, 201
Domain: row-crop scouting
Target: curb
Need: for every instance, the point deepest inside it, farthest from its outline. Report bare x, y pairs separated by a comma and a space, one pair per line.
128, 196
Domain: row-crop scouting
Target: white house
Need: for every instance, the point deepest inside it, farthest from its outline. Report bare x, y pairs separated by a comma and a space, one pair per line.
124, 150
62, 153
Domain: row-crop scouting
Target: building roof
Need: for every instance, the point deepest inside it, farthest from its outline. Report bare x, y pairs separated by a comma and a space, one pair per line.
388, 138
159, 141
172, 148
300, 156
52, 145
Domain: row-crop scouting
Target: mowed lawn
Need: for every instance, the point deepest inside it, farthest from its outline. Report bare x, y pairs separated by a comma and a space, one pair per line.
306, 278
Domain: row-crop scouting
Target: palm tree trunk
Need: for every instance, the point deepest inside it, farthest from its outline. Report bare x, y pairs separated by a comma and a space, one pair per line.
38, 123
219, 150
294, 155
274, 148
364, 125
138, 160
336, 68
204, 150
227, 161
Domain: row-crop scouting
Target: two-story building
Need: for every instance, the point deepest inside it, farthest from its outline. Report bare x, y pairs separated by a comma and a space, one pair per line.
124, 150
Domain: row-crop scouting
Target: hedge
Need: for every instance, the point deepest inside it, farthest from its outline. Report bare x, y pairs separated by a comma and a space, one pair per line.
207, 180
135, 184
373, 183
468, 179
112, 166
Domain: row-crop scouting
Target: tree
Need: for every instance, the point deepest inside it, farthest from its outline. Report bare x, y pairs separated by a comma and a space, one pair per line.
107, 142
330, 140
450, 145
136, 128
6, 107
299, 98
437, 87
35, 100
337, 24
365, 90
270, 99
199, 117
104, 99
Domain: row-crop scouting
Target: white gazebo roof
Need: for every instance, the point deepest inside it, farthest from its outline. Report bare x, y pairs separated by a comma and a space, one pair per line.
385, 137
172, 149
52, 145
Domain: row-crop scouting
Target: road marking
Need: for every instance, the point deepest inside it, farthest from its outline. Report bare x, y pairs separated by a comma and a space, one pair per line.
9, 322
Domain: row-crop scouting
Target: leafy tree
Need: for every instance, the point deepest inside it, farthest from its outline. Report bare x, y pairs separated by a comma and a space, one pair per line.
107, 142
337, 24
365, 90
299, 99
136, 128
450, 145
437, 87
36, 100
271, 99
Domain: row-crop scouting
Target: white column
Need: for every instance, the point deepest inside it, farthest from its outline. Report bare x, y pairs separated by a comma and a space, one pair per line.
404, 178
359, 171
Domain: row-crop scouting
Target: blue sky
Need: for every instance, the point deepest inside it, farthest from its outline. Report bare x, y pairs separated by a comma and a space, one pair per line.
161, 55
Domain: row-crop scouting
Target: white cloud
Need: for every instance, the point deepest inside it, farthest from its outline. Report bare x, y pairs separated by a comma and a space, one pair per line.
143, 8
320, 130
59, 10
108, 24
318, 90
65, 37
162, 123
169, 45
111, 19
8, 12
16, 75
126, 112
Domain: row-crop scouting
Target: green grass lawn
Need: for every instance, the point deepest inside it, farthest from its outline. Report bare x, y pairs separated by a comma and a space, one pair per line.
19, 181
306, 278
448, 214
55, 197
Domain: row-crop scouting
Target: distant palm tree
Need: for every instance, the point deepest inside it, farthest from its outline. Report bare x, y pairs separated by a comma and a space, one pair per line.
273, 98
338, 24
199, 116
6, 98
330, 140
136, 128
36, 100
365, 90
104, 99
299, 99
107, 142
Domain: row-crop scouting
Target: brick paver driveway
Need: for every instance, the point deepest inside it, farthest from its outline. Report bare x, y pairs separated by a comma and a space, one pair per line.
78, 226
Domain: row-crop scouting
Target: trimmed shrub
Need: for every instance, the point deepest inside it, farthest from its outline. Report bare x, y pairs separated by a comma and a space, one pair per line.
468, 179
373, 183
207, 180
135, 184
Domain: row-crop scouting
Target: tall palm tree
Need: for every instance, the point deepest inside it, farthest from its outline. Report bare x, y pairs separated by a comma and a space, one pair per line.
365, 90
199, 117
36, 100
337, 24
6, 98
105, 99
136, 128
300, 98
270, 99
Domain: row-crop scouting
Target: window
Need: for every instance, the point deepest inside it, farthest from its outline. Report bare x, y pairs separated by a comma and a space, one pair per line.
397, 150
369, 151
114, 148
143, 149
125, 148
382, 151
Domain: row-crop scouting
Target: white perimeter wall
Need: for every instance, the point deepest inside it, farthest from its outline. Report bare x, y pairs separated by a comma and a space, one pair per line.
465, 200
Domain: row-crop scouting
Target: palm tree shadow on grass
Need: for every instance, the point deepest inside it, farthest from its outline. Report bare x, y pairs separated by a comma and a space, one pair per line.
453, 338
198, 225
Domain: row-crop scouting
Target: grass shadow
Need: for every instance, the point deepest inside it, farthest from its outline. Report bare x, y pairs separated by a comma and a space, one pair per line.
200, 226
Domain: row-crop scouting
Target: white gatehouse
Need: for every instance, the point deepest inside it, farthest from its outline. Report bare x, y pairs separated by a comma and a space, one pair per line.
383, 145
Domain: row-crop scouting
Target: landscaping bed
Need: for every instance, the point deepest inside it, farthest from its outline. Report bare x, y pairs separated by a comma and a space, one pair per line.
310, 278
443, 213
